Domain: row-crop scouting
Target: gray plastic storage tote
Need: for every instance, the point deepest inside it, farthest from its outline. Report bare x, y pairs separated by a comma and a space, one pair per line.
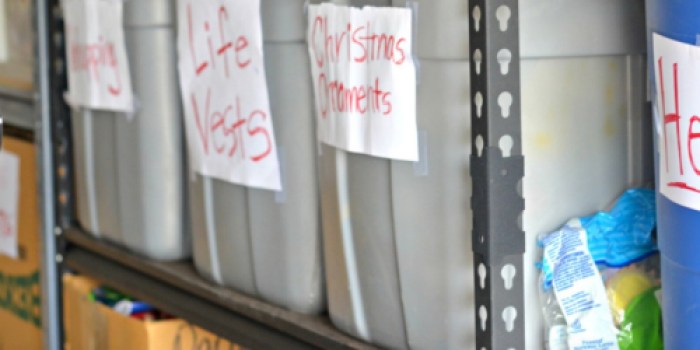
130, 169
262, 242
397, 235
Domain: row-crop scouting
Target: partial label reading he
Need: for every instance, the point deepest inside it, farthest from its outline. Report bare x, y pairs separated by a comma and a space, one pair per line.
224, 92
677, 73
98, 70
364, 79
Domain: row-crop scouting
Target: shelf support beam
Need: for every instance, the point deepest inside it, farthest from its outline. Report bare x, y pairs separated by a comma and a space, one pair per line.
497, 169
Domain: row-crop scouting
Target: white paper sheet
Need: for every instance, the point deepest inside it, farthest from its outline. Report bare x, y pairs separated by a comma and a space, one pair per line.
224, 91
98, 69
364, 79
9, 202
677, 72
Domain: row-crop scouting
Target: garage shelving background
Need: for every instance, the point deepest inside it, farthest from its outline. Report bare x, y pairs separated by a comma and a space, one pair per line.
498, 238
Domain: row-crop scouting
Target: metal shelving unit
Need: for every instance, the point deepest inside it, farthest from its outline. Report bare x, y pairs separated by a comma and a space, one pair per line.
173, 287
177, 288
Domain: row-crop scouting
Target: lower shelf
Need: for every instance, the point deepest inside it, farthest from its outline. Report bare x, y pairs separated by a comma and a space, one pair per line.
176, 288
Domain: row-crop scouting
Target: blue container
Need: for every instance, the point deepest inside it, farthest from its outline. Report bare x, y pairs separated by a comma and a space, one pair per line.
678, 226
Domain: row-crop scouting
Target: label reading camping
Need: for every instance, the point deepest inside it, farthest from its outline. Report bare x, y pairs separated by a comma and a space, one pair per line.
224, 91
98, 70
364, 79
677, 67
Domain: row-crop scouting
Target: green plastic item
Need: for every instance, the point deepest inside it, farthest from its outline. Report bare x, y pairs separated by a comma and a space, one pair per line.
640, 328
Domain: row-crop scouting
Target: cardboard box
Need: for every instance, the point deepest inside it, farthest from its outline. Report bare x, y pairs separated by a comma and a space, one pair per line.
91, 325
20, 291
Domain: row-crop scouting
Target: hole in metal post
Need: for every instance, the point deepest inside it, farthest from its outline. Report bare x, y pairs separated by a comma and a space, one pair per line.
520, 221
482, 275
508, 273
477, 61
505, 100
503, 16
479, 143
483, 316
479, 103
506, 145
509, 315
503, 57
476, 15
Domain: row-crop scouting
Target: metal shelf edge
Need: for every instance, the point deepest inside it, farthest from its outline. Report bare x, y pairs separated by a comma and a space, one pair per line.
176, 288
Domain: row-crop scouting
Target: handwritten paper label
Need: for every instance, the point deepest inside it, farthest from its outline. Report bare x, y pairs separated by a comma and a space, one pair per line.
9, 201
98, 69
224, 92
677, 72
364, 79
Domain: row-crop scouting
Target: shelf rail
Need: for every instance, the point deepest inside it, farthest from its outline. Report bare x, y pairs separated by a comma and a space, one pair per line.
497, 167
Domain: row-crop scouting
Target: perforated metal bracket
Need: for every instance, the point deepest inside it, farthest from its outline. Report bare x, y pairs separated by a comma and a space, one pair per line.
53, 140
60, 119
497, 170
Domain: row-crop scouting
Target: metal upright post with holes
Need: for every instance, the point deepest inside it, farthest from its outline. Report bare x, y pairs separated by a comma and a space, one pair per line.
53, 137
497, 173
50, 283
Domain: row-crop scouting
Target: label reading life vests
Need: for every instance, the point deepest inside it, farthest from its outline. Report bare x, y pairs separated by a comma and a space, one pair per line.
224, 92
364, 79
98, 70
677, 72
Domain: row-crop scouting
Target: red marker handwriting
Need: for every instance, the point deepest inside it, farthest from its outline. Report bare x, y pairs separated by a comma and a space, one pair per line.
354, 44
334, 96
99, 60
227, 130
5, 225
674, 118
359, 44
224, 127
220, 48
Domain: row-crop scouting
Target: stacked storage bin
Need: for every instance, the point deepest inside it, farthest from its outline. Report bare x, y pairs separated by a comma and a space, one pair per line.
130, 170
261, 242
399, 274
397, 235
677, 224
